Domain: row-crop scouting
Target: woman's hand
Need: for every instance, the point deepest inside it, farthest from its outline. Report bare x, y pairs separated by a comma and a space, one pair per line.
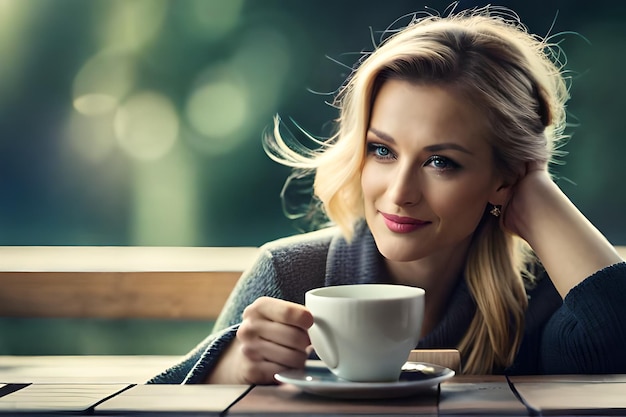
568, 245
271, 338
515, 214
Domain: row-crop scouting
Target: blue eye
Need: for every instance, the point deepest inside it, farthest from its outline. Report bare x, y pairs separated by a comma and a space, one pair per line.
380, 151
441, 163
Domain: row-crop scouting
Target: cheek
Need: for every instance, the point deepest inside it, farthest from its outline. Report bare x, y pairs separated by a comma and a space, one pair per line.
458, 202
370, 183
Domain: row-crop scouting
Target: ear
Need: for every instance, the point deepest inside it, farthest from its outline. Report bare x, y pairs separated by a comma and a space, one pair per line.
501, 194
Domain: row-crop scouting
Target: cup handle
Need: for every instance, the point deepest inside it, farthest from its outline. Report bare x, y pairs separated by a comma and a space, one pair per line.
324, 343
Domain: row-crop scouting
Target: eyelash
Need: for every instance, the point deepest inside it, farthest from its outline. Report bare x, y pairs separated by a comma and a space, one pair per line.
450, 164
375, 148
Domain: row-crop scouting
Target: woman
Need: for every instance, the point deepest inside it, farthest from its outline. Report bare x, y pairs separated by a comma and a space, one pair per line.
438, 177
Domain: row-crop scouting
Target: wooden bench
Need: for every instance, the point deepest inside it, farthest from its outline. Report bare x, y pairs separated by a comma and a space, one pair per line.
121, 282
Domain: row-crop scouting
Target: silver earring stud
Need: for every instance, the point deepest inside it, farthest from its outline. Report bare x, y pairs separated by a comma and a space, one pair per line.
495, 211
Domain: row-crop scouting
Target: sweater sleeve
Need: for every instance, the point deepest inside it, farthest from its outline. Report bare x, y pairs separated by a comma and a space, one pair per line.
259, 280
588, 333
284, 269
196, 365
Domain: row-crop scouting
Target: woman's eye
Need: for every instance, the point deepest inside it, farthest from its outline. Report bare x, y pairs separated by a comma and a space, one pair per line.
441, 163
379, 151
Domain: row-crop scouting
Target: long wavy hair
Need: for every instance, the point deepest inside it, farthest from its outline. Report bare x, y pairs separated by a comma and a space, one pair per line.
488, 56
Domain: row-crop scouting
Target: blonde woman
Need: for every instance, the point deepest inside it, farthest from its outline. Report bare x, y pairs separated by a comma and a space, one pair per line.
438, 177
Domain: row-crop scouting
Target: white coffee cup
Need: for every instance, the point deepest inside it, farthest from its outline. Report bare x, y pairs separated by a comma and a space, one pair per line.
365, 332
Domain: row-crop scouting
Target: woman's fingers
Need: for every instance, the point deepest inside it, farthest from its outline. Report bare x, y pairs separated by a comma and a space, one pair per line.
280, 311
262, 350
273, 337
260, 373
281, 334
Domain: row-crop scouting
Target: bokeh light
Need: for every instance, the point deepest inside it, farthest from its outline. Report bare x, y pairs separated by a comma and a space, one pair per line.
92, 138
218, 108
146, 125
103, 81
210, 19
16, 19
165, 209
263, 60
230, 100
129, 24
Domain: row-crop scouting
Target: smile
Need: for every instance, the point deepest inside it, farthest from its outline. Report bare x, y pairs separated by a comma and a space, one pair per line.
399, 224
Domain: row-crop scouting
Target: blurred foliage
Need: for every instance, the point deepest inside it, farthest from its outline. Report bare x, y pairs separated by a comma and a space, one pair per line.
139, 122
52, 336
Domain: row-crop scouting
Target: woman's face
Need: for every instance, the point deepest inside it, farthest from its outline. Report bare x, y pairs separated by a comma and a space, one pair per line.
428, 174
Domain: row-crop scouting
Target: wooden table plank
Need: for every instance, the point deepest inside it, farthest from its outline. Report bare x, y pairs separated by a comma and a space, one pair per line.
172, 399
573, 394
479, 395
568, 378
289, 400
82, 369
57, 397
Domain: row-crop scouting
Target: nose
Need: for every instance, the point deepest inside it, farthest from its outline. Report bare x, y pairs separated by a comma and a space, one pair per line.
404, 187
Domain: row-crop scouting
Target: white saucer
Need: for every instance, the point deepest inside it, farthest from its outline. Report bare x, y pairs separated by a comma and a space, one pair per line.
416, 377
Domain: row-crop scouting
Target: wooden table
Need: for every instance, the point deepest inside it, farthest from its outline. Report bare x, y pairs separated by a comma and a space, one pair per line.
114, 386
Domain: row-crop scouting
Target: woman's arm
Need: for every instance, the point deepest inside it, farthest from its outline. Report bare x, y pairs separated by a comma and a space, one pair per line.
587, 335
569, 246
263, 317
199, 365
269, 335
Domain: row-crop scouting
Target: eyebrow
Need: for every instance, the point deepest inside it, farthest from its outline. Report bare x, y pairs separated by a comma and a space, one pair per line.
430, 148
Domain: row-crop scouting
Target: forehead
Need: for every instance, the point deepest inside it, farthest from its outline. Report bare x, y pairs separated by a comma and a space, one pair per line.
430, 112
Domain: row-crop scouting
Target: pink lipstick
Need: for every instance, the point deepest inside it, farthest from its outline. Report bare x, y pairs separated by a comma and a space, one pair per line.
400, 224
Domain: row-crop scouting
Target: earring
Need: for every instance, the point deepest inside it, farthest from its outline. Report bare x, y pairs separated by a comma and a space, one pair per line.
495, 211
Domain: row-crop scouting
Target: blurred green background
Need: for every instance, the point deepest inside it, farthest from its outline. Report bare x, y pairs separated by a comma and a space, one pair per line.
139, 122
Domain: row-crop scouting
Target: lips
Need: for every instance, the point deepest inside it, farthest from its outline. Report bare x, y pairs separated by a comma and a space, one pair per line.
400, 224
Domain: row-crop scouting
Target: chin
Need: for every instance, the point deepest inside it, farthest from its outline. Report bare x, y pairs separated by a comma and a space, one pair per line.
400, 254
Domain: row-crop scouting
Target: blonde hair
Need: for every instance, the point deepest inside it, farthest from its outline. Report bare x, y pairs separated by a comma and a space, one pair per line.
488, 56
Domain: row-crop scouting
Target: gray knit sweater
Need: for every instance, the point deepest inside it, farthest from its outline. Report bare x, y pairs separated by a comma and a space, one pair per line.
585, 333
